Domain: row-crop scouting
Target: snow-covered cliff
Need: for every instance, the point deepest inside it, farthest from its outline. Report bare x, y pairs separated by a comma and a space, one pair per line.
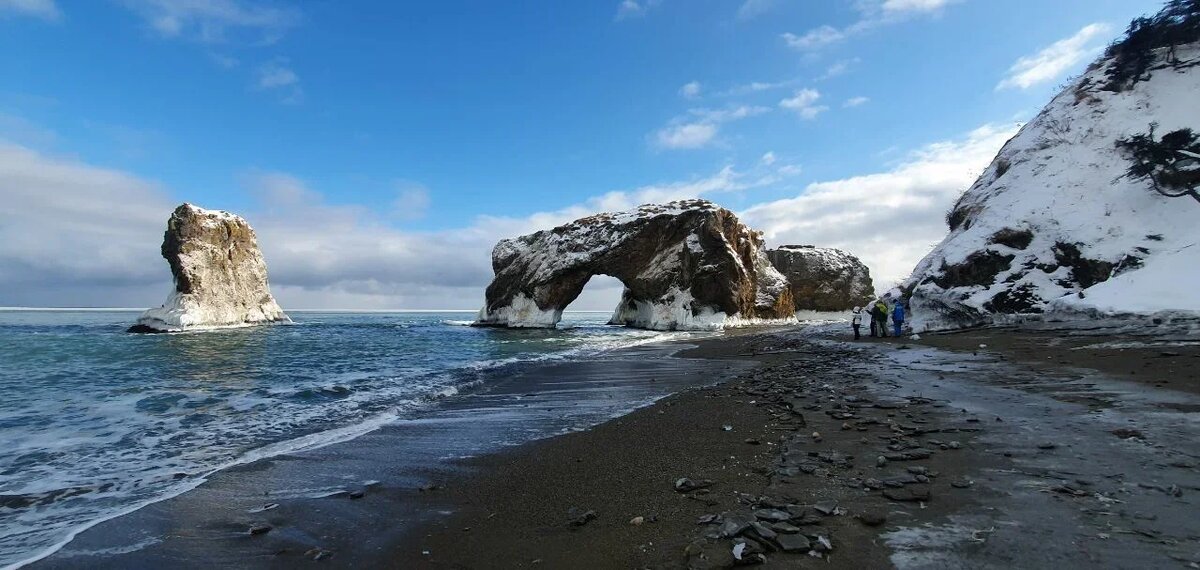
685, 265
1056, 223
220, 275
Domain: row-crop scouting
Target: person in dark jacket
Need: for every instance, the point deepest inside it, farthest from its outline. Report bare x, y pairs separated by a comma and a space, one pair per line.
856, 322
898, 317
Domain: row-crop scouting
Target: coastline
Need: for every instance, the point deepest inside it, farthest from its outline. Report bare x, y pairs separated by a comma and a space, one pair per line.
987, 426
510, 405
930, 455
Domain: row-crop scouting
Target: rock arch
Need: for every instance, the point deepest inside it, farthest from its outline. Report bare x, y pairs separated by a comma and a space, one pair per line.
685, 265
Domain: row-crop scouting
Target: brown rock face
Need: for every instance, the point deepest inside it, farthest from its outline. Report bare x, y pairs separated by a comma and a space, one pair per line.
685, 265
220, 275
823, 279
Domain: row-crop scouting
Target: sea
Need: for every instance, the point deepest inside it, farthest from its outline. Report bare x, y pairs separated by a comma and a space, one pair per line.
96, 422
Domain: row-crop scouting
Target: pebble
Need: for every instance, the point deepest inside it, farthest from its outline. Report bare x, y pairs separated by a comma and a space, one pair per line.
872, 518
583, 519
260, 529
637, 521
685, 485
793, 543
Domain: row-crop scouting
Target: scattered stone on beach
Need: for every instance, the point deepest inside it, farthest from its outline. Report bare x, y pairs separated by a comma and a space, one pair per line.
872, 518
357, 494
318, 554
260, 529
637, 521
430, 488
583, 519
686, 485
793, 543
774, 515
265, 507
823, 544
1047, 445
708, 519
1128, 433
785, 528
910, 494
962, 483
726, 427
748, 552
733, 526
826, 507
753, 441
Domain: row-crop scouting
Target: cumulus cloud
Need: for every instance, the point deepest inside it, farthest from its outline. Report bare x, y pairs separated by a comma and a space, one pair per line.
277, 75
872, 14
815, 38
699, 128
889, 219
690, 90
751, 9
73, 234
216, 21
1058, 58
804, 103
412, 200
685, 136
44, 9
634, 8
856, 102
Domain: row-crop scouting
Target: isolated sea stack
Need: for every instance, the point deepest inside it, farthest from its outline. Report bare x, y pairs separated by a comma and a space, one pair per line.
1092, 208
220, 275
686, 265
822, 278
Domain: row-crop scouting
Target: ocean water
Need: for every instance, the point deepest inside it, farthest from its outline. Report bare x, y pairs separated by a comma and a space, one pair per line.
95, 422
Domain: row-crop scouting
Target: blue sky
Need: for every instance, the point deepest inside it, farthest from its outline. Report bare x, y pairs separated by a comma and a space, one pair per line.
381, 147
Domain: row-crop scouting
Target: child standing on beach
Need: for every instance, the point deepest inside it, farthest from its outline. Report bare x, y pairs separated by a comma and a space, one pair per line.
856, 321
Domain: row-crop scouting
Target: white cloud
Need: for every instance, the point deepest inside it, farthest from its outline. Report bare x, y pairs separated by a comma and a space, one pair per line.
44, 9
277, 75
685, 136
815, 38
412, 200
838, 68
913, 6
700, 127
216, 21
872, 14
634, 8
1056, 59
768, 158
856, 101
751, 9
803, 102
690, 90
889, 219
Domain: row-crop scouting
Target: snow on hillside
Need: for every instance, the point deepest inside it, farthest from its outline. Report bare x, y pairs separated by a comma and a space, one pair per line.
1055, 214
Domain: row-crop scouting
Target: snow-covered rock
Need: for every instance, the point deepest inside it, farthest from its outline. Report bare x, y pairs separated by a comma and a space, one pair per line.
823, 279
686, 265
1055, 223
220, 275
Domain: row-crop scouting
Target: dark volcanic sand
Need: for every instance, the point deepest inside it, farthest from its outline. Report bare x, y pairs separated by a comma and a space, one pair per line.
997, 460
1035, 476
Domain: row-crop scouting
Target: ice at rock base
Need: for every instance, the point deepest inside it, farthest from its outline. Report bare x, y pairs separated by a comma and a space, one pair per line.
217, 253
677, 315
1062, 178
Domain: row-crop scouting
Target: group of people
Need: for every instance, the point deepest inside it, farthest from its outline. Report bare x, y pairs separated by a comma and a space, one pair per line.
880, 312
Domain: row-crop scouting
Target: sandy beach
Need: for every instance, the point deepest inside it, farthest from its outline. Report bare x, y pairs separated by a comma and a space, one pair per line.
949, 456
780, 447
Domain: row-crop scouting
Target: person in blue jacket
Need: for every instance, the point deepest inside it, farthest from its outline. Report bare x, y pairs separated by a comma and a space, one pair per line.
898, 317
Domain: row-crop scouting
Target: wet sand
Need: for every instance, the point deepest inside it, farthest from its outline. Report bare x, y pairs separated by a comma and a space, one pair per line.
810, 450
986, 464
